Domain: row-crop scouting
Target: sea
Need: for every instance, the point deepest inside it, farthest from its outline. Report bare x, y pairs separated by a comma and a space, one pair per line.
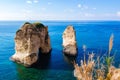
57, 66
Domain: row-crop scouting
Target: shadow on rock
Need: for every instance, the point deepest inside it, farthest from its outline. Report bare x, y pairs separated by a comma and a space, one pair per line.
69, 58
43, 61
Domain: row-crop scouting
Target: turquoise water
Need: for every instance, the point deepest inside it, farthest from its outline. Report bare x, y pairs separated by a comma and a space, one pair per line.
94, 34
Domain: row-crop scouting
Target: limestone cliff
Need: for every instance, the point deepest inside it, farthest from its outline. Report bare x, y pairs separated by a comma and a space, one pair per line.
69, 41
28, 41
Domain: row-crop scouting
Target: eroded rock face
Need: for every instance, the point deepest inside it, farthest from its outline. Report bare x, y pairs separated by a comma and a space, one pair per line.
115, 73
69, 41
28, 41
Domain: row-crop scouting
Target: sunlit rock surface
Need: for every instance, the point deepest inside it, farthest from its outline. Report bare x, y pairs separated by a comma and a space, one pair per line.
114, 73
69, 41
29, 40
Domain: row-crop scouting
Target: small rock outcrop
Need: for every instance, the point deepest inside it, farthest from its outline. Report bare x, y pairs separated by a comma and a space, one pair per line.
29, 41
69, 41
114, 73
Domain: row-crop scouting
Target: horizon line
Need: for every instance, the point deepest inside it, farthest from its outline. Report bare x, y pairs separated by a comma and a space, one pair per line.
65, 20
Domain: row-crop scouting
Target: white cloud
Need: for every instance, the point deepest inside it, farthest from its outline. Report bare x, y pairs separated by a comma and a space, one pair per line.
29, 2
26, 11
108, 15
94, 8
65, 10
49, 3
35, 1
85, 7
68, 10
118, 13
71, 10
89, 15
43, 9
82, 7
32, 1
79, 5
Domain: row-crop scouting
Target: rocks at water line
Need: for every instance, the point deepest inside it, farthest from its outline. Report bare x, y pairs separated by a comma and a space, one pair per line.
29, 39
69, 41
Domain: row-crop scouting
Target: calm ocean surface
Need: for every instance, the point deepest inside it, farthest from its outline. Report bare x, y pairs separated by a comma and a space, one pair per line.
94, 34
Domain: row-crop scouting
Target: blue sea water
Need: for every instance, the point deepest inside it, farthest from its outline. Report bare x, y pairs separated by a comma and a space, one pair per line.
94, 34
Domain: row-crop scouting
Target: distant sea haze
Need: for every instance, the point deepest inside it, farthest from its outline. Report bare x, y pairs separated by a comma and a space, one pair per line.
94, 34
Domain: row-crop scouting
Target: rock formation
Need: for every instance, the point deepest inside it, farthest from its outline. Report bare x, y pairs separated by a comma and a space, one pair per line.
114, 73
69, 41
29, 41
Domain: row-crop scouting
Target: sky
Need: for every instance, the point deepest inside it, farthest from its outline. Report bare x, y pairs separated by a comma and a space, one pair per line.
59, 9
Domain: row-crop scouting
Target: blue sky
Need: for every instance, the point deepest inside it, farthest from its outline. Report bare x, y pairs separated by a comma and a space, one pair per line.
59, 9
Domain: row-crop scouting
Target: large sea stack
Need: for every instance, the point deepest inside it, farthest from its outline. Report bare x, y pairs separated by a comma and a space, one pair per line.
29, 41
69, 41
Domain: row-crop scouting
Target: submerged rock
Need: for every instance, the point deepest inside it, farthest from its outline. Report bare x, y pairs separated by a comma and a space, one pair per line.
69, 41
28, 41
